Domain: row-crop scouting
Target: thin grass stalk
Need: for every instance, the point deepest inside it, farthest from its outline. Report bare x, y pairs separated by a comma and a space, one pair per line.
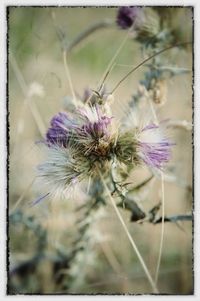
149, 277
35, 112
163, 204
69, 77
162, 227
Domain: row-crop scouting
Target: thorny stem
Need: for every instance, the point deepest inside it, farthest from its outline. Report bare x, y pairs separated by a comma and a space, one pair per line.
153, 285
175, 218
142, 184
137, 213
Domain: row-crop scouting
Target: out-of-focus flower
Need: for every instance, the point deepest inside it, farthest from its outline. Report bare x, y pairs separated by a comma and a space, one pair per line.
36, 89
146, 22
148, 27
127, 15
158, 91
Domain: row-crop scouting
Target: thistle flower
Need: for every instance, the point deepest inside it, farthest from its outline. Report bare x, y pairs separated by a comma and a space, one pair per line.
140, 143
146, 22
153, 148
95, 122
88, 122
148, 27
75, 142
127, 16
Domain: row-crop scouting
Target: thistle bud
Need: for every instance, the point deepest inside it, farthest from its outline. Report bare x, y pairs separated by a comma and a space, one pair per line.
148, 26
127, 16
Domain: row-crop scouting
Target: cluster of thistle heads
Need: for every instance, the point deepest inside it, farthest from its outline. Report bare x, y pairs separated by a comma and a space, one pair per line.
87, 140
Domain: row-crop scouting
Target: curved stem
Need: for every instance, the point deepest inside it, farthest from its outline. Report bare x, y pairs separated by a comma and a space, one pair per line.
144, 61
88, 31
69, 77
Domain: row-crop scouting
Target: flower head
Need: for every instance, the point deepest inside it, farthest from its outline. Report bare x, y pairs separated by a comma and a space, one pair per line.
127, 15
94, 122
154, 148
75, 142
64, 167
88, 123
78, 142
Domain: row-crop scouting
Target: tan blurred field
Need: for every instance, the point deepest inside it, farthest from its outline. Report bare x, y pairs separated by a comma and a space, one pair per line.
109, 264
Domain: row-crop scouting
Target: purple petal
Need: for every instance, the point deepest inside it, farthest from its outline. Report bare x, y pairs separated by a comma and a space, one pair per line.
39, 199
58, 132
156, 154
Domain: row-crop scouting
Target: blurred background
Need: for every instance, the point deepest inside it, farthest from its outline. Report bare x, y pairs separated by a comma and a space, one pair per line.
41, 236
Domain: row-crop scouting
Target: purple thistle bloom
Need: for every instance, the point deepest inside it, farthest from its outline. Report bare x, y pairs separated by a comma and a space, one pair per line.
155, 155
154, 149
88, 123
97, 129
127, 15
71, 139
57, 134
95, 123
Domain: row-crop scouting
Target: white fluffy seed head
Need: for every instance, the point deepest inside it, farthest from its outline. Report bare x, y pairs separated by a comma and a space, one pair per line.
62, 168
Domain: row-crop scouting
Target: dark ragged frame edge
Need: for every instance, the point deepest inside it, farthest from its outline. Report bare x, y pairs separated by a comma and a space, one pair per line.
8, 143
